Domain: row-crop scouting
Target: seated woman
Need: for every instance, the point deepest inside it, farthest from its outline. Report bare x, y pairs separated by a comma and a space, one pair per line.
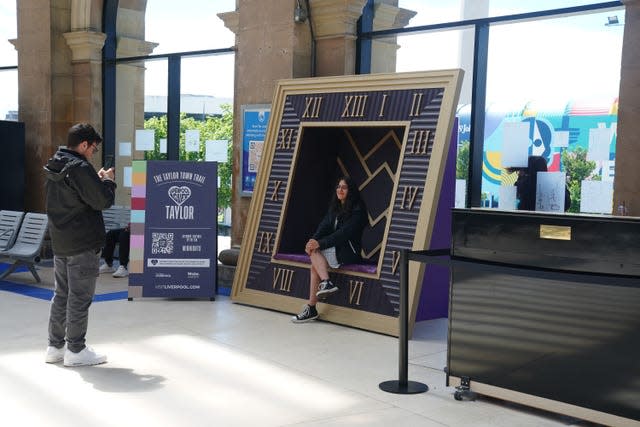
120, 236
337, 241
526, 184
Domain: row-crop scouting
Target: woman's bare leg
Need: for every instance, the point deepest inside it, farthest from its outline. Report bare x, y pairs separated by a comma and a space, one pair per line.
313, 286
319, 262
319, 271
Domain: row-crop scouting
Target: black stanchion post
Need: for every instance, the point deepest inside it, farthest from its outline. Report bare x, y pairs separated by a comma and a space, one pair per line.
403, 385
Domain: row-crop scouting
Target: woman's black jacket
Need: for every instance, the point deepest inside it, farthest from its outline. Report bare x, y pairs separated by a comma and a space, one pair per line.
346, 237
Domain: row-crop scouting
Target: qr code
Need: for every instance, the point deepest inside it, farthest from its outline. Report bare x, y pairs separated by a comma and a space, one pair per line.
162, 243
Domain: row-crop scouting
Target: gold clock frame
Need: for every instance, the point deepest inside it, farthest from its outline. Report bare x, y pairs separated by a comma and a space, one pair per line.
449, 82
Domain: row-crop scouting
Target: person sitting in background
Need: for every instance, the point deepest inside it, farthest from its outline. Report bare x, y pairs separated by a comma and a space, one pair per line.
526, 184
120, 236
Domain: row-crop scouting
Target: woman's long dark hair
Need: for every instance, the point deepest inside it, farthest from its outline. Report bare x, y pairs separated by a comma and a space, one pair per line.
352, 200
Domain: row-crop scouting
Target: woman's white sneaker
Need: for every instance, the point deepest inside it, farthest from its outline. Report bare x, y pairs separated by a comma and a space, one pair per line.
106, 268
86, 357
121, 272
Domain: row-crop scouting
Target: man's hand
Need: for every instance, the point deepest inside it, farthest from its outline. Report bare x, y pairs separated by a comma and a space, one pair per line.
109, 174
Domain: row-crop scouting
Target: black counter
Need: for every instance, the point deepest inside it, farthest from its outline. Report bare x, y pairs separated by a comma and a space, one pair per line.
556, 316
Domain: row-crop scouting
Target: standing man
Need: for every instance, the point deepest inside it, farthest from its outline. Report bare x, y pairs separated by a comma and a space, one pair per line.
76, 196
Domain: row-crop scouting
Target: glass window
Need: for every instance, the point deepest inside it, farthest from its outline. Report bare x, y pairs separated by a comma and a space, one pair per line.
510, 7
552, 93
9, 98
8, 58
188, 26
210, 75
156, 83
206, 88
429, 12
8, 31
433, 51
428, 51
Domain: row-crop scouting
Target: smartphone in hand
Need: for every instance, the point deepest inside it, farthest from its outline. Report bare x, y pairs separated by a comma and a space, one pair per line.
108, 162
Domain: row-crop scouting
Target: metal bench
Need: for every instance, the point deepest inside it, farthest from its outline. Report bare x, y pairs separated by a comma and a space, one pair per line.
26, 249
9, 225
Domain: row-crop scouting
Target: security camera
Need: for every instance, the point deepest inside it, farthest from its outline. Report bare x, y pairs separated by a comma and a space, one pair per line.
299, 15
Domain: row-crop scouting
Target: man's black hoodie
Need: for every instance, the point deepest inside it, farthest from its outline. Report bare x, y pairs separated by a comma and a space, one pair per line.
76, 197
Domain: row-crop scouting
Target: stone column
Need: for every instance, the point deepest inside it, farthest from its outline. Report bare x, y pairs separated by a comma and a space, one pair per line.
130, 106
45, 81
626, 188
270, 47
335, 28
384, 50
86, 60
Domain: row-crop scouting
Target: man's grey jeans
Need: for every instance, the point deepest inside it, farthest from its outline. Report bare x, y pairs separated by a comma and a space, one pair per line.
75, 284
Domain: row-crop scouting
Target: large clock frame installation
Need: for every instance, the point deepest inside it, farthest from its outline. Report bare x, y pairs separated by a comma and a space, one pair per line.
391, 134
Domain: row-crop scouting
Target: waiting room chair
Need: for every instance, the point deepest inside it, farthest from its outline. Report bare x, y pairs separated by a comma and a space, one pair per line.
9, 225
26, 249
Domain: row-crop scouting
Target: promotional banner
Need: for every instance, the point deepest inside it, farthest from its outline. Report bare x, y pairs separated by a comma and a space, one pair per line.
254, 128
173, 229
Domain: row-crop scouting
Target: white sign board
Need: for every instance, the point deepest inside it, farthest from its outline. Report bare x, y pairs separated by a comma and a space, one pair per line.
145, 139
461, 193
192, 140
596, 196
550, 191
124, 149
216, 150
561, 138
507, 198
599, 141
515, 145
126, 176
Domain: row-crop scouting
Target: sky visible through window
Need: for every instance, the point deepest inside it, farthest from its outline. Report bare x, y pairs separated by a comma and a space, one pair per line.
529, 55
194, 28
558, 59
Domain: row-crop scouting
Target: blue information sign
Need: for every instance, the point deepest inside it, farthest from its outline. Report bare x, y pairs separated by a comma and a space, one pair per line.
180, 239
254, 128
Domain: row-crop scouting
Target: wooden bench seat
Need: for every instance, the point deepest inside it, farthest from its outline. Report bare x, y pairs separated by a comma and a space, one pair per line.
304, 258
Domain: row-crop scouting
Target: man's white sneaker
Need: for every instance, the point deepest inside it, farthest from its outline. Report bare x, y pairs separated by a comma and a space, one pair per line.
86, 357
121, 272
106, 268
54, 355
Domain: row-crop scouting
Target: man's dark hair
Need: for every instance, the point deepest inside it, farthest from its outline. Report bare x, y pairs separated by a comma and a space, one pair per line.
82, 132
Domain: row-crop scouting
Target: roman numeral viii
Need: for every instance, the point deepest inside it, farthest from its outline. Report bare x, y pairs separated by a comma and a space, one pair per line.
282, 279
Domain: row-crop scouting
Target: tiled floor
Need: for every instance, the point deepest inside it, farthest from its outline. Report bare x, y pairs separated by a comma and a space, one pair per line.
203, 363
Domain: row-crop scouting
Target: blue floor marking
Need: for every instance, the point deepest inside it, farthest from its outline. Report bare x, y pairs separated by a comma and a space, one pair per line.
26, 290
112, 296
47, 294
